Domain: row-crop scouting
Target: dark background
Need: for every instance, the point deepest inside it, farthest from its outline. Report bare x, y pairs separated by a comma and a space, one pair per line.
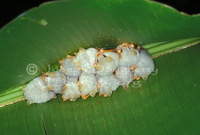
9, 9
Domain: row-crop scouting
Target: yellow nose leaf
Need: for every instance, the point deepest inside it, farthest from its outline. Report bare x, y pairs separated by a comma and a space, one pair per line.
109, 58
48, 87
134, 52
145, 77
93, 93
97, 67
76, 62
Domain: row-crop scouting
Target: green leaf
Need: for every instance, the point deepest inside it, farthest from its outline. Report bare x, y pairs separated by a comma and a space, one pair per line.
44, 35
168, 103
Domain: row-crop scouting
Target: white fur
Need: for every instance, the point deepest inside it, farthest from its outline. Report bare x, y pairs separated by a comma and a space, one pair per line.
88, 84
72, 91
127, 57
125, 75
86, 59
70, 68
108, 84
56, 80
145, 64
107, 67
36, 91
